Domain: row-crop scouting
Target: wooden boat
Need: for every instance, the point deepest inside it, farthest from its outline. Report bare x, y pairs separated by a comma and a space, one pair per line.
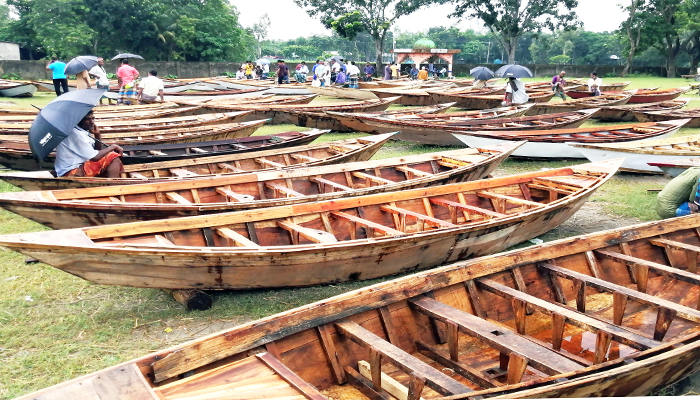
625, 113
409, 97
74, 208
127, 125
556, 143
17, 156
339, 151
213, 92
481, 102
676, 166
322, 242
342, 93
652, 116
436, 131
641, 96
610, 313
581, 104
606, 87
353, 123
18, 90
638, 155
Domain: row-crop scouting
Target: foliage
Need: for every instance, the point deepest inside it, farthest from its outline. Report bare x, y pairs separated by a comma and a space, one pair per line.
560, 59
347, 26
260, 30
296, 51
509, 21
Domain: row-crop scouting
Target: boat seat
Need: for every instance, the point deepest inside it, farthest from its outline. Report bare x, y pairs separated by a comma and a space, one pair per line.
367, 223
182, 173
198, 150
229, 167
435, 379
326, 182
466, 207
156, 153
177, 198
422, 217
520, 350
303, 157
233, 195
314, 235
415, 172
372, 178
237, 238
283, 189
269, 163
137, 175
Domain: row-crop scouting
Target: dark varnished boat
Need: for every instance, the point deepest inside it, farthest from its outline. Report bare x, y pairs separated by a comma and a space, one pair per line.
337, 240
74, 208
611, 313
625, 113
339, 151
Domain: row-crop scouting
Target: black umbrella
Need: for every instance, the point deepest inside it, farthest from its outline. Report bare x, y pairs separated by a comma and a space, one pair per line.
57, 120
514, 71
481, 73
126, 55
79, 64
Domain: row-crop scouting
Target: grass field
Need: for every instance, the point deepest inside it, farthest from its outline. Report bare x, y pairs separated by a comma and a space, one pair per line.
54, 326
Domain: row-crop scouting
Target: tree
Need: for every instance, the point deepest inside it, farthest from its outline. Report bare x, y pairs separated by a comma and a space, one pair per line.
509, 20
260, 30
663, 28
352, 16
632, 29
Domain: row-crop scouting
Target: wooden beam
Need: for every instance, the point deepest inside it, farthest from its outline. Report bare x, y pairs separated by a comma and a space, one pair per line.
229, 167
237, 238
198, 150
290, 377
314, 235
664, 317
660, 269
283, 189
474, 299
330, 183
373, 178
480, 378
511, 199
578, 319
388, 324
182, 173
438, 381
269, 163
137, 175
690, 251
418, 216
503, 340
331, 353
683, 311
389, 384
303, 158
364, 385
233, 195
415, 172
177, 198
466, 207
602, 345
367, 223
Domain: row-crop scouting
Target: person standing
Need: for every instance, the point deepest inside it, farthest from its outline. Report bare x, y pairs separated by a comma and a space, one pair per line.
369, 72
323, 74
558, 84
301, 71
414, 72
387, 72
101, 82
127, 75
515, 92
594, 84
82, 80
248, 70
394, 71
422, 74
282, 72
265, 71
150, 87
335, 68
353, 75
60, 80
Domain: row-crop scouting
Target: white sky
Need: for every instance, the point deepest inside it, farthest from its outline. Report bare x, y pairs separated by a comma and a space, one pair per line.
290, 22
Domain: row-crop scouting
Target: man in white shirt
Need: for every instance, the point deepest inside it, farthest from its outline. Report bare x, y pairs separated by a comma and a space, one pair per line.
101, 82
353, 75
150, 87
335, 68
240, 74
515, 92
594, 84
323, 73
265, 71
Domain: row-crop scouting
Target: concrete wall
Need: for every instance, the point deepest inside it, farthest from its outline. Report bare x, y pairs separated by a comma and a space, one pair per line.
27, 69
9, 51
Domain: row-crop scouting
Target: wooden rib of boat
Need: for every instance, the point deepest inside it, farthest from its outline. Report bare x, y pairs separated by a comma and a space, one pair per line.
18, 156
604, 100
74, 208
676, 166
339, 151
440, 132
556, 143
610, 313
127, 125
638, 155
342, 93
481, 102
18, 90
641, 96
625, 113
337, 240
354, 124
652, 116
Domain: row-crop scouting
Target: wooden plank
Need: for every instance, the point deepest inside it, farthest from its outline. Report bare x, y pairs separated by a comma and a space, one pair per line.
491, 195
123, 383
375, 360
372, 178
480, 378
389, 384
660, 269
415, 387
331, 353
229, 167
435, 379
690, 250
578, 319
283, 189
290, 377
237, 238
516, 368
303, 157
137, 175
268, 163
664, 317
602, 346
501, 339
198, 150
466, 207
474, 299
330, 183
182, 173
415, 172
423, 217
619, 305
683, 311
177, 198
364, 385
314, 235
593, 264
233, 195
367, 223
387, 323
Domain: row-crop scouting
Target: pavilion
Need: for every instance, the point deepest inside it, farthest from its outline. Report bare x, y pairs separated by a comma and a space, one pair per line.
425, 51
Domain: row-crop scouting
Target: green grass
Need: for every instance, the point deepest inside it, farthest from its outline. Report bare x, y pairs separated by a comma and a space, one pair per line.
54, 326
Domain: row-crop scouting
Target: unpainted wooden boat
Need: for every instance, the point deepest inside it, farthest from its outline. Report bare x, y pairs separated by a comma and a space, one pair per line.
692, 113
481, 102
339, 151
625, 113
581, 104
331, 241
18, 90
611, 313
609, 87
355, 124
18, 156
641, 96
74, 208
556, 143
128, 125
214, 92
342, 93
639, 154
676, 166
440, 132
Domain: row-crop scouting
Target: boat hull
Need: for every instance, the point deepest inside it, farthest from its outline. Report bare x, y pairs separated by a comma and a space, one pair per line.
633, 162
27, 90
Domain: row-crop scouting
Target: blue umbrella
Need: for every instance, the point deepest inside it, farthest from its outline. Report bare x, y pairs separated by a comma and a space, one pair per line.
80, 64
57, 120
481, 73
514, 71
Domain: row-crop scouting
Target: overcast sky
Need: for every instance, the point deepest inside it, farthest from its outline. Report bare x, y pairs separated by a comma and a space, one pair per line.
290, 22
